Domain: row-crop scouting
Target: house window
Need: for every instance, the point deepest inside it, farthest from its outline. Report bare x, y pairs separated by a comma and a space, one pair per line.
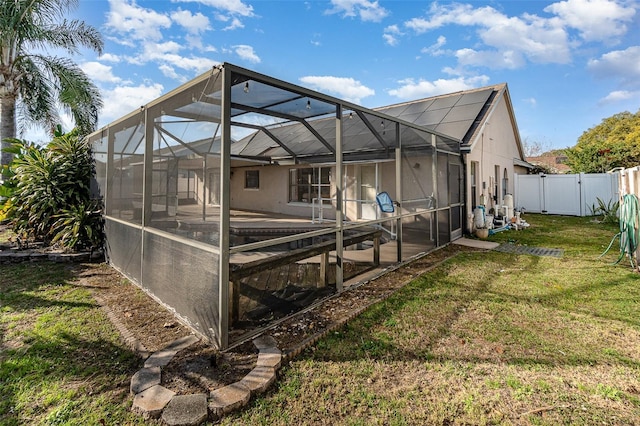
496, 185
252, 179
309, 183
505, 183
474, 184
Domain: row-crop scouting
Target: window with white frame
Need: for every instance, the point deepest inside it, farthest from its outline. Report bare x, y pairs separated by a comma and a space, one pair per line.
307, 184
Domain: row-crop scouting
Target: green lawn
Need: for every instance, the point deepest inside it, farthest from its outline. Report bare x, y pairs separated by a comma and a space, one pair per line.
484, 338
61, 361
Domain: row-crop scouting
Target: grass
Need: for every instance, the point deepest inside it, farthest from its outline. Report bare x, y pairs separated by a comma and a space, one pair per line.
485, 338
61, 361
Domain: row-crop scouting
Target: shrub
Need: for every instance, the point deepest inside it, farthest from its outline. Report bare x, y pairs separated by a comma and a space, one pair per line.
48, 192
608, 211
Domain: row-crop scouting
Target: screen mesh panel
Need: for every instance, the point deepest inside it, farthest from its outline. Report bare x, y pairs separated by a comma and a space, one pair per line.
418, 234
418, 190
186, 279
444, 234
123, 245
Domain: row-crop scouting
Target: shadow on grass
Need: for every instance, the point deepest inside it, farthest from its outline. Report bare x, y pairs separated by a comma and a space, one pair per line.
364, 337
59, 351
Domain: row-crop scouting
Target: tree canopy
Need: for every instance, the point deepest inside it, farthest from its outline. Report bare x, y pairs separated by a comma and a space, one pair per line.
613, 143
33, 84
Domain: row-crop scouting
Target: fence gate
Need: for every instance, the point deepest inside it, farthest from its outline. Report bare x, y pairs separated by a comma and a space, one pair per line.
570, 194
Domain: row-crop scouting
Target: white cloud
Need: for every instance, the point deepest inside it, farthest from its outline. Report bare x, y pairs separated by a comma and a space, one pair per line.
620, 96
99, 72
234, 7
235, 24
154, 50
508, 59
193, 23
367, 10
168, 56
125, 99
595, 20
246, 52
436, 48
169, 71
390, 39
411, 89
622, 64
531, 101
136, 22
391, 34
509, 38
345, 88
109, 57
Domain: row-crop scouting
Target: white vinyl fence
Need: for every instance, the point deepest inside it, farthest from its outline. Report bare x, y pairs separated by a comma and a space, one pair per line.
570, 194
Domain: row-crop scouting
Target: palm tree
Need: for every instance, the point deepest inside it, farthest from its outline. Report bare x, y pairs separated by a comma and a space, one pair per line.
33, 85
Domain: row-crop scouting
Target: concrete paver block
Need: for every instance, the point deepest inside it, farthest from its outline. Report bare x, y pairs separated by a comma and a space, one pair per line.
164, 356
259, 379
144, 379
182, 342
228, 398
150, 402
160, 358
269, 357
186, 410
264, 342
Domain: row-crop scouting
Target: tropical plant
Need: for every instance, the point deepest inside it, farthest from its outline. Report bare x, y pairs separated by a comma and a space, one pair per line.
608, 211
49, 192
33, 85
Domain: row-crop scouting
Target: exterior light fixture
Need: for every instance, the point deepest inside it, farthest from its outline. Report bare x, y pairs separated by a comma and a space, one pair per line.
351, 116
308, 104
246, 87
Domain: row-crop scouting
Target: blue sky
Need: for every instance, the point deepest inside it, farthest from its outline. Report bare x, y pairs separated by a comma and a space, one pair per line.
568, 64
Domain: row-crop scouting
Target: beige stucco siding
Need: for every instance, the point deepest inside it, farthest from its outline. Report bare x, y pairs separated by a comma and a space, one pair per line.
496, 145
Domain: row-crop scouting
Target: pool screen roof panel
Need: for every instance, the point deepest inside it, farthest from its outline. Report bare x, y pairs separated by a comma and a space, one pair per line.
269, 118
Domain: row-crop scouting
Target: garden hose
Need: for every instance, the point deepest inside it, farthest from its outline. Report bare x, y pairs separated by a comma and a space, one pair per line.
629, 221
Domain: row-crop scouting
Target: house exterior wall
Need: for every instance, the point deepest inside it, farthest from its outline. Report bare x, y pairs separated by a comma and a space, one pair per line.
273, 192
495, 146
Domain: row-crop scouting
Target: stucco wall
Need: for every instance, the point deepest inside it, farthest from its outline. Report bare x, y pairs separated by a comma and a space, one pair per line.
496, 145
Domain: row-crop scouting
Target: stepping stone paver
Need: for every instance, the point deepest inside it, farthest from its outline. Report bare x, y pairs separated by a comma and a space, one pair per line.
164, 356
269, 357
264, 342
186, 410
225, 400
152, 401
259, 379
144, 379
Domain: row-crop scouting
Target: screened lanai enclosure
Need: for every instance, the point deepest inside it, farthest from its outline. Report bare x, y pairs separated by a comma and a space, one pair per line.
238, 199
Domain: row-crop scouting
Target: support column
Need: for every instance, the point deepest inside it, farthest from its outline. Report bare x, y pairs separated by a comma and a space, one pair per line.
339, 185
225, 172
399, 192
434, 177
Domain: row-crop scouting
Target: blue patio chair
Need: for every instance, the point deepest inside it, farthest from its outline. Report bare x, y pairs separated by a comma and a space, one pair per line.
385, 202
